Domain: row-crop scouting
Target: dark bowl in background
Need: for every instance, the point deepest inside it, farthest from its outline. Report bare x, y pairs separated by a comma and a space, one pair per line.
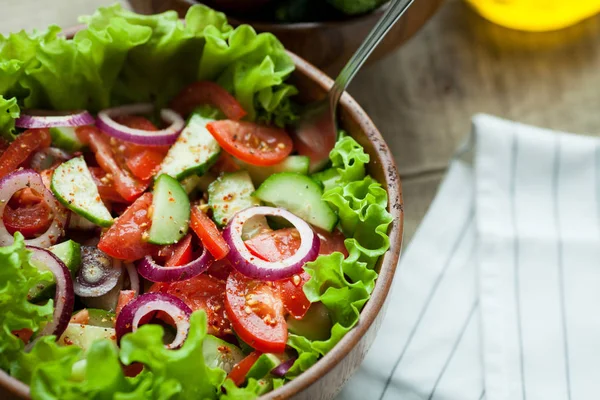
327, 45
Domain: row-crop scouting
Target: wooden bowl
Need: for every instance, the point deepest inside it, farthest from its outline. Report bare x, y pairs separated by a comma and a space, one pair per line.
324, 380
328, 45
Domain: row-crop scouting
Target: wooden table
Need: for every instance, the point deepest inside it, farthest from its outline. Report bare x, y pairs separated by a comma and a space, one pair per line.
423, 96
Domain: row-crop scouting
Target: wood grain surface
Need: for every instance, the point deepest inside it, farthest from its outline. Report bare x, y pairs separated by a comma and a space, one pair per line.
423, 96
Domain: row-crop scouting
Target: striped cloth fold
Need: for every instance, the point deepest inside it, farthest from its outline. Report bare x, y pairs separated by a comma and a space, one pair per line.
497, 297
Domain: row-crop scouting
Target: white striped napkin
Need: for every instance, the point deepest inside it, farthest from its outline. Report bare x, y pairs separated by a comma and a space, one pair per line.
498, 294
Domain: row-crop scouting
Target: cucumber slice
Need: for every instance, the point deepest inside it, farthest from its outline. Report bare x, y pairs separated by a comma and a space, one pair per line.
84, 335
229, 194
73, 186
171, 211
194, 152
69, 253
315, 325
64, 137
297, 164
301, 196
263, 366
220, 354
102, 318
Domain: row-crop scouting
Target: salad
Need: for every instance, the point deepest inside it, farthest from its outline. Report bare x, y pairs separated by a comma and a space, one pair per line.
296, 10
168, 239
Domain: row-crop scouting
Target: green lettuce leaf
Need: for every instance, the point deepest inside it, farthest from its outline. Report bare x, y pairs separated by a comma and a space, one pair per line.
182, 371
9, 111
345, 285
17, 275
123, 57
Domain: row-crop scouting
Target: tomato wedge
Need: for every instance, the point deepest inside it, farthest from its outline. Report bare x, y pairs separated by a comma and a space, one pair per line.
177, 254
28, 213
275, 246
250, 142
206, 92
125, 297
256, 313
22, 147
240, 370
208, 233
126, 185
106, 186
125, 238
82, 317
225, 163
144, 165
331, 241
202, 292
317, 142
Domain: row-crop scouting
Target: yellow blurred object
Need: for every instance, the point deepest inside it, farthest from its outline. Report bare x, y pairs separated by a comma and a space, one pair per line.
536, 15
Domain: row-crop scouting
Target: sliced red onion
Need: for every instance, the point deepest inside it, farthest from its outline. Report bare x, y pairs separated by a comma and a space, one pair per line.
253, 267
153, 138
134, 278
98, 274
50, 119
153, 272
46, 158
28, 178
129, 318
64, 298
283, 368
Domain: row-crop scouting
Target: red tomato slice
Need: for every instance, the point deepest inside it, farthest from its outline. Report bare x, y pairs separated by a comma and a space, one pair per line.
126, 185
206, 92
125, 238
146, 164
252, 143
27, 213
142, 161
256, 313
220, 269
225, 163
331, 242
106, 186
24, 334
82, 317
208, 233
202, 292
22, 147
240, 370
275, 246
317, 142
177, 254
125, 297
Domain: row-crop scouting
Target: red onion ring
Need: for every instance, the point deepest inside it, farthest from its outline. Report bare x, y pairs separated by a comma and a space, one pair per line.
50, 120
166, 136
153, 272
283, 368
64, 299
129, 318
253, 267
134, 278
98, 274
27, 178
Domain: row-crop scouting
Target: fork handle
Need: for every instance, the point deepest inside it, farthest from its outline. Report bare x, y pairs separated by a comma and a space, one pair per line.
395, 10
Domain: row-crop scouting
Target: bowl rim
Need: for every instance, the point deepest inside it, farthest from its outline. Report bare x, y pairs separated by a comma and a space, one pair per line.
265, 26
388, 262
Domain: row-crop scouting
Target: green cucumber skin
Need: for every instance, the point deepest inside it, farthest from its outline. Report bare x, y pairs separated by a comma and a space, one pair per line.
69, 253
101, 318
171, 215
296, 164
221, 354
300, 195
183, 160
263, 366
229, 194
65, 138
75, 171
84, 335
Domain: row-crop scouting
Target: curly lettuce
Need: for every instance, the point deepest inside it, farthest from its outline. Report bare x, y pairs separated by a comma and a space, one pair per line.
9, 111
17, 276
345, 285
122, 57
